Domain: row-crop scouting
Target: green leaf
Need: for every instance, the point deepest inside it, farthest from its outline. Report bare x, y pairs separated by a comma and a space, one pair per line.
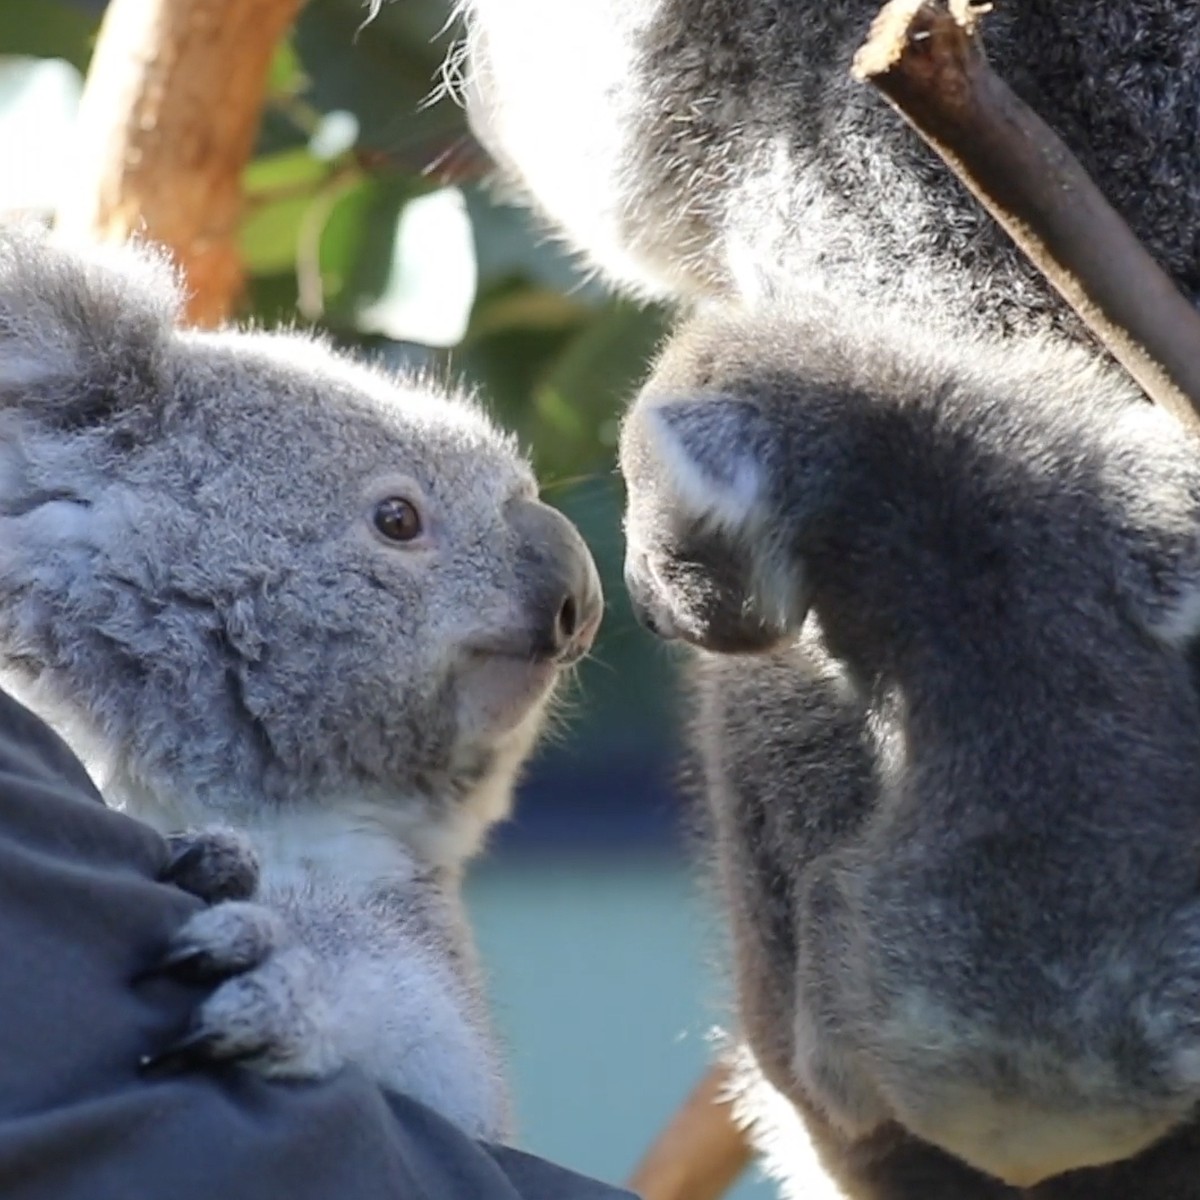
284, 171
270, 234
510, 241
335, 134
286, 77
47, 29
381, 72
346, 247
430, 286
525, 308
589, 385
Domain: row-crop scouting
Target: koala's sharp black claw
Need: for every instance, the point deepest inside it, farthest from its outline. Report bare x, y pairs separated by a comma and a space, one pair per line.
181, 862
185, 964
190, 1051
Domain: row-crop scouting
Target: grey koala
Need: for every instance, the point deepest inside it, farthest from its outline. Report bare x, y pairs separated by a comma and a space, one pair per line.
699, 148
948, 725
919, 564
320, 607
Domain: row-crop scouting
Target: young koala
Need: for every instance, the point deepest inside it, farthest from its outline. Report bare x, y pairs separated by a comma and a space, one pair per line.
699, 148
948, 724
261, 586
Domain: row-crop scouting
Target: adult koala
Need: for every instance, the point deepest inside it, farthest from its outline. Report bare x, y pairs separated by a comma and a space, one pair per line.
950, 737
260, 585
693, 148
700, 151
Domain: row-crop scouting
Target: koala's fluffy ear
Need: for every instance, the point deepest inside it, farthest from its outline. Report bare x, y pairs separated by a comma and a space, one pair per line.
704, 499
712, 454
83, 333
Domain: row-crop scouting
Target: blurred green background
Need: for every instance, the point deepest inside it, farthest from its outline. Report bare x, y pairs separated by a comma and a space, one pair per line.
370, 215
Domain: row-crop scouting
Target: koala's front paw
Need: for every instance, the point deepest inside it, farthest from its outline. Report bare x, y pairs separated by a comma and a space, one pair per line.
215, 863
271, 1014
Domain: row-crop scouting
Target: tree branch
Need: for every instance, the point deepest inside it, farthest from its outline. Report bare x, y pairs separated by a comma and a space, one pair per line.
701, 1153
167, 124
925, 56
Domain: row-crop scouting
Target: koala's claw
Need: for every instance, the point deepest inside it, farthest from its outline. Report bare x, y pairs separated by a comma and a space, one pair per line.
191, 1050
273, 1019
226, 939
270, 1012
215, 863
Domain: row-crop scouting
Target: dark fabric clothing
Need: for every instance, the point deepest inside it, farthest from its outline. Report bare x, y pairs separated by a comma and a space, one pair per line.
81, 914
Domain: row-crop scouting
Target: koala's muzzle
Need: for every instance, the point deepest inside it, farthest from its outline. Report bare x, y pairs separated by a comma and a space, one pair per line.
703, 602
561, 586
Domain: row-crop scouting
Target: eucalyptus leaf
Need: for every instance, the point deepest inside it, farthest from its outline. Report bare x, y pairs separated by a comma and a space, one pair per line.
286, 171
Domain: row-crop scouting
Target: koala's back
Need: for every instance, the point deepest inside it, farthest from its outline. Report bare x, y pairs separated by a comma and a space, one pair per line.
789, 765
954, 809
739, 154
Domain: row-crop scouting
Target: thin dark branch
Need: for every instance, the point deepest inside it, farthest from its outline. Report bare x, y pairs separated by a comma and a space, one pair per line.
925, 56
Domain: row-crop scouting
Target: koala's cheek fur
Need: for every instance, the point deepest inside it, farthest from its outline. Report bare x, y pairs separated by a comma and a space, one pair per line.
497, 694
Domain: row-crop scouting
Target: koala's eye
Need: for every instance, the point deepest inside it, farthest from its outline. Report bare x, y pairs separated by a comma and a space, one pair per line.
397, 519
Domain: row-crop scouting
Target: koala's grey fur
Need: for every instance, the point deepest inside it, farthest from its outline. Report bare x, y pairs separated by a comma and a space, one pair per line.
693, 148
193, 591
954, 778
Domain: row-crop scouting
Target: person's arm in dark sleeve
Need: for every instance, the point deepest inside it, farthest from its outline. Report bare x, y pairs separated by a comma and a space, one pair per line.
81, 914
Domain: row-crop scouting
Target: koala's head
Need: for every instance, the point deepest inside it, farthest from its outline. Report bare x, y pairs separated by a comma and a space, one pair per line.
911, 492
243, 570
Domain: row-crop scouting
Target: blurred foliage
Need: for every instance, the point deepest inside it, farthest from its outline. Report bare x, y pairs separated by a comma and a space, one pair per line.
367, 215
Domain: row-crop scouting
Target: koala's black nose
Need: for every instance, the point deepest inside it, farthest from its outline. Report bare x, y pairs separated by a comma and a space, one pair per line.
649, 612
561, 584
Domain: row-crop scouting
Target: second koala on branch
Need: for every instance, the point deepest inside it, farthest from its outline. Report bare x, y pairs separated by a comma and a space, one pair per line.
259, 585
948, 722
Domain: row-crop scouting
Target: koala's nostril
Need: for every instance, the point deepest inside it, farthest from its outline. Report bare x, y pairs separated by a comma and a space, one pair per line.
568, 619
564, 595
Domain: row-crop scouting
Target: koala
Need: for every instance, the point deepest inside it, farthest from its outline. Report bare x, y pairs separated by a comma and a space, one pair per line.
693, 149
945, 683
929, 590
310, 609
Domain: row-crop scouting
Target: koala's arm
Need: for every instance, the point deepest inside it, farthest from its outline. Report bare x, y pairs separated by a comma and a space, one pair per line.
81, 914
784, 795
317, 978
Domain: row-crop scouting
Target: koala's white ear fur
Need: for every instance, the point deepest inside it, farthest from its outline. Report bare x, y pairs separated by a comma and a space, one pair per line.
81, 330
711, 453
1180, 624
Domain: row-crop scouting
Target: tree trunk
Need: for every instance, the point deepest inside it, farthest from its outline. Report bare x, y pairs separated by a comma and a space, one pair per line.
167, 124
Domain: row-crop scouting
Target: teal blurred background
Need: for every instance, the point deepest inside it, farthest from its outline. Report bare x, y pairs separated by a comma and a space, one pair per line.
369, 213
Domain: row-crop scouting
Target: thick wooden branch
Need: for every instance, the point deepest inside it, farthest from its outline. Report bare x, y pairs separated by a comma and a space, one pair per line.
925, 56
701, 1153
167, 124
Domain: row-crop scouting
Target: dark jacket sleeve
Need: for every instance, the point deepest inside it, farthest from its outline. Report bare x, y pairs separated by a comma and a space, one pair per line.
81, 914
